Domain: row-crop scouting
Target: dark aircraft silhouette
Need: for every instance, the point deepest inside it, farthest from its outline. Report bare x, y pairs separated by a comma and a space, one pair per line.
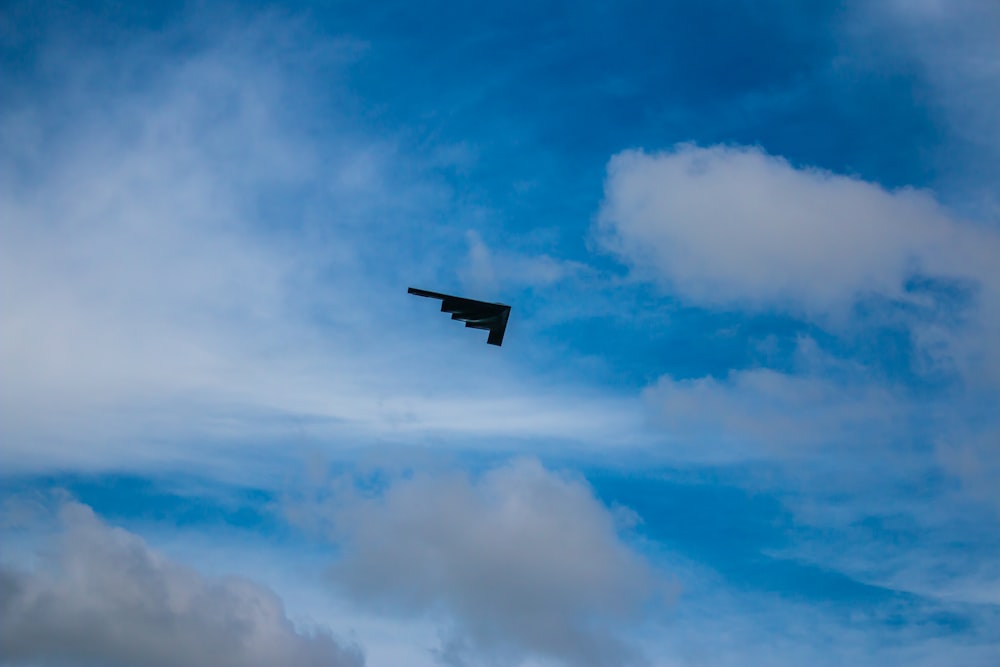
475, 314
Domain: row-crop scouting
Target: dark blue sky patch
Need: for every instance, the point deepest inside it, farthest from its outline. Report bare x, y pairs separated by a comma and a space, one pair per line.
583, 83
641, 339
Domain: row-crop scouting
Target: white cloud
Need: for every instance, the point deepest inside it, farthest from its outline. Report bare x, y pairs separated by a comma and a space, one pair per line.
102, 596
520, 561
725, 226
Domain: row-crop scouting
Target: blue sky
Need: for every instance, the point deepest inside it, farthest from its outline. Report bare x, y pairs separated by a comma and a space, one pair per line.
745, 412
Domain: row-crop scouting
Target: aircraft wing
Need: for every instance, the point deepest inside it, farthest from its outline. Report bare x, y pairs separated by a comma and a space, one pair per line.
491, 317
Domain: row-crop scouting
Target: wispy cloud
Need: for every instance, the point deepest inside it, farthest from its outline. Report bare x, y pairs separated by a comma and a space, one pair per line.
181, 255
764, 413
486, 270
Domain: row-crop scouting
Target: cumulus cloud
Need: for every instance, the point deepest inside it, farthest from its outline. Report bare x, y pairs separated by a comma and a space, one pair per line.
736, 226
102, 596
520, 560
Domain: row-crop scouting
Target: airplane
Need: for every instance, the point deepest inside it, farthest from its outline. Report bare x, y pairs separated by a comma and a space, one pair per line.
476, 314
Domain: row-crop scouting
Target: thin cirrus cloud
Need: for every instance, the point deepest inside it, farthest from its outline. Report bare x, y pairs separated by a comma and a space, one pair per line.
102, 596
519, 561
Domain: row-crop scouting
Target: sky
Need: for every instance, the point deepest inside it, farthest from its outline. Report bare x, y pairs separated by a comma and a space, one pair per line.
745, 412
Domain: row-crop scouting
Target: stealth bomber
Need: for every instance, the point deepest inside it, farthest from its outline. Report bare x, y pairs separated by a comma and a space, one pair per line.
491, 317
